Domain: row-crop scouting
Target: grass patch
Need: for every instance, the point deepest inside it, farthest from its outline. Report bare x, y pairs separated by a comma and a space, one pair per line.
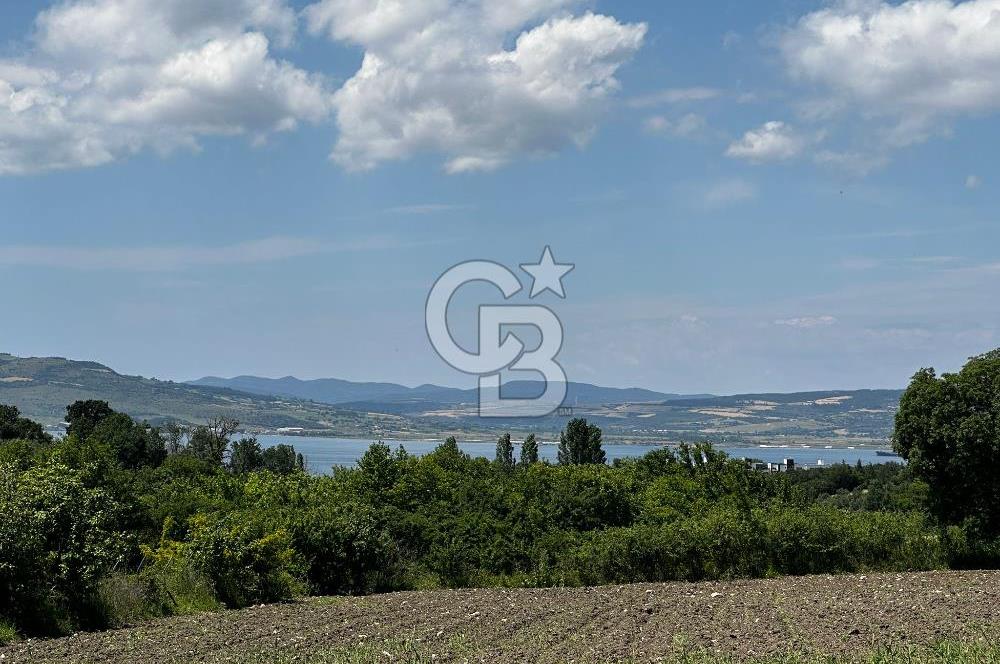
124, 601
7, 633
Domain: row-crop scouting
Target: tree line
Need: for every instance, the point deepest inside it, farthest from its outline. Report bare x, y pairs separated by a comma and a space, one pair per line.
579, 444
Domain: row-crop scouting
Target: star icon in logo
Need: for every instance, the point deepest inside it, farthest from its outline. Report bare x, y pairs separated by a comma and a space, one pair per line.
546, 274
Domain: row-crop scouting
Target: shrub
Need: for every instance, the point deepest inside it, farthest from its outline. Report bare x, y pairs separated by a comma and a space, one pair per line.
58, 538
824, 539
173, 586
966, 548
245, 562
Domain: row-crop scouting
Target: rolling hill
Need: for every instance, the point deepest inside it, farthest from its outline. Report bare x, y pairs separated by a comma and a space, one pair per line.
337, 391
834, 417
42, 387
840, 418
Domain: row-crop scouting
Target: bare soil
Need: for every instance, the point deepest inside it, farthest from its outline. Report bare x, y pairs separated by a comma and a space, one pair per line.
749, 619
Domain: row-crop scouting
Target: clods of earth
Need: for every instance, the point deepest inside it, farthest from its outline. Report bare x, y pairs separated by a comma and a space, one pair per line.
746, 619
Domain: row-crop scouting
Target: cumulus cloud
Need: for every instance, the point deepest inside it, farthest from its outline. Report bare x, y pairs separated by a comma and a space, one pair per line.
107, 78
917, 64
478, 82
772, 141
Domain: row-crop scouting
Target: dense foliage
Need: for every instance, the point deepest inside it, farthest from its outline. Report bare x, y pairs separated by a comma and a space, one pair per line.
948, 429
15, 427
120, 521
580, 443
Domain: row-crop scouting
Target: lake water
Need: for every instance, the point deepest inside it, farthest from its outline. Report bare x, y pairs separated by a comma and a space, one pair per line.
322, 454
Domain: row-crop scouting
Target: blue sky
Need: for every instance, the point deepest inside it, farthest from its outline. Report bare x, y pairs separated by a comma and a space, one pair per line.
757, 196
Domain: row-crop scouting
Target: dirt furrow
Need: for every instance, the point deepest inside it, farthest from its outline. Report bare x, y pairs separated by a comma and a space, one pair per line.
817, 614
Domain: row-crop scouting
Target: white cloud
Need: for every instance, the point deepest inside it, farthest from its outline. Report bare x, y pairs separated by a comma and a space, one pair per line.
772, 141
728, 192
687, 126
107, 78
674, 96
169, 258
918, 63
90, 31
471, 80
853, 162
806, 322
657, 124
973, 182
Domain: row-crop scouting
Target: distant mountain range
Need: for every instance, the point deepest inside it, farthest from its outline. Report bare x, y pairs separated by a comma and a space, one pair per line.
43, 387
336, 391
842, 417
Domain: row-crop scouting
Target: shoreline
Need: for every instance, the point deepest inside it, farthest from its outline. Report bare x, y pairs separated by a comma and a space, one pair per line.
478, 439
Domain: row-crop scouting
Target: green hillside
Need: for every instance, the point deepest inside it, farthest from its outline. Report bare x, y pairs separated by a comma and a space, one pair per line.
42, 387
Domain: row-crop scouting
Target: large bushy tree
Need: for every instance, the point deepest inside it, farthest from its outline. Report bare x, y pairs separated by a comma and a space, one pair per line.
282, 459
15, 427
133, 444
948, 429
580, 443
84, 416
247, 456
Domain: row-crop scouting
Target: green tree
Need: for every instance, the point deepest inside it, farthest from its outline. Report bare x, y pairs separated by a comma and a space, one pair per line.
247, 456
282, 459
174, 436
580, 443
948, 430
134, 445
84, 416
529, 450
378, 470
211, 442
505, 451
15, 427
449, 455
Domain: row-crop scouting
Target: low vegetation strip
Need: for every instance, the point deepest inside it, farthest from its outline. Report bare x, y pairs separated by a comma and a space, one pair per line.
793, 618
